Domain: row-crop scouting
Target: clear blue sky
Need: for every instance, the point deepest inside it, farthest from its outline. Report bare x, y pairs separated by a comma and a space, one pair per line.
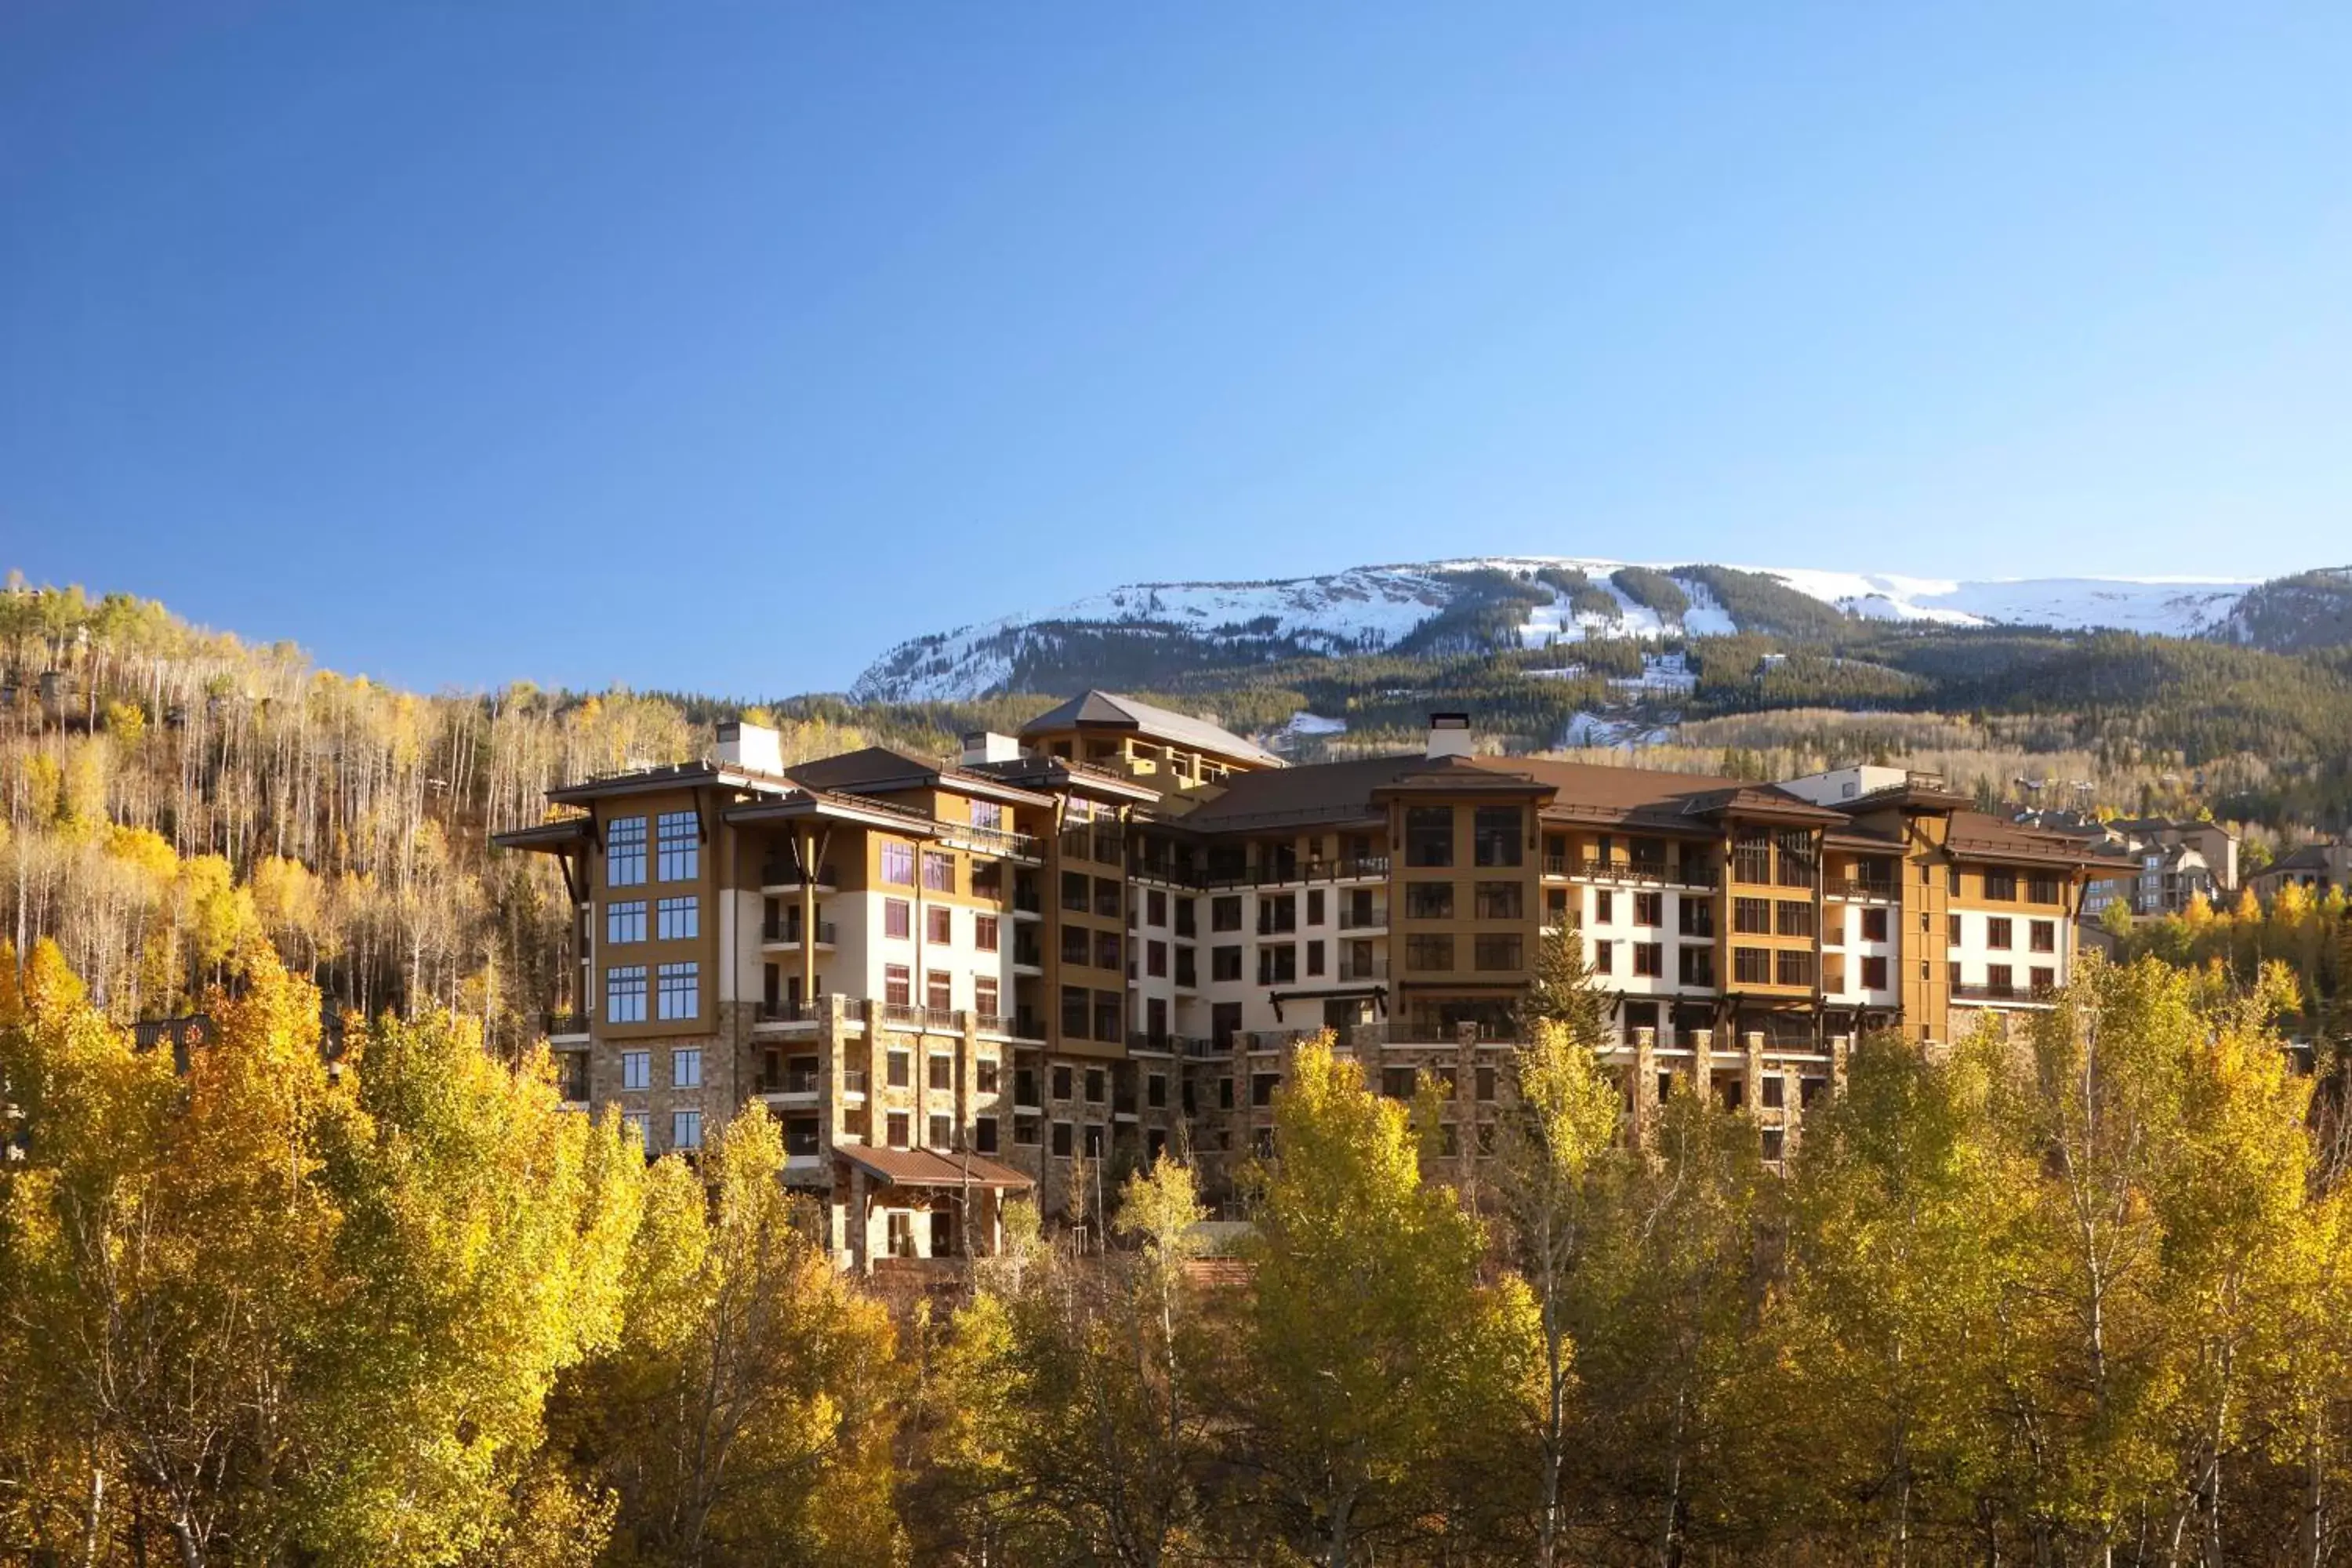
721, 346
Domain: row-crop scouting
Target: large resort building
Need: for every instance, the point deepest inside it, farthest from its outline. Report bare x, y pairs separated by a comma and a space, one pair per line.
1063, 951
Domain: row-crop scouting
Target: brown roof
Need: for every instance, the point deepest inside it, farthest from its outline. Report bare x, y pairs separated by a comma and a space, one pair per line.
1974, 834
1111, 710
883, 769
925, 1168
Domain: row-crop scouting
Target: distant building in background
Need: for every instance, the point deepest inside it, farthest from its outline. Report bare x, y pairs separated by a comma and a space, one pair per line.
2317, 866
2180, 859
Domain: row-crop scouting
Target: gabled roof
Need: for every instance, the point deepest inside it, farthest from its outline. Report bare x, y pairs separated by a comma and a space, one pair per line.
2310, 858
1975, 835
880, 769
925, 1168
1109, 710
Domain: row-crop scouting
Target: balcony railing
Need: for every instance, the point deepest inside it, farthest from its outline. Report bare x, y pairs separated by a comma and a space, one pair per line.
1647, 873
992, 1023
564, 1022
787, 930
1373, 919
1863, 888
1368, 969
2043, 995
991, 840
1028, 1026
1341, 868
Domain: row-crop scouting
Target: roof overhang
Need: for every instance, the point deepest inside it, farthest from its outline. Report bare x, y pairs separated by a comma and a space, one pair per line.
811, 806
927, 1168
548, 838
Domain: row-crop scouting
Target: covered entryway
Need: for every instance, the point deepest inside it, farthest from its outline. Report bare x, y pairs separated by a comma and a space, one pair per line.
917, 1203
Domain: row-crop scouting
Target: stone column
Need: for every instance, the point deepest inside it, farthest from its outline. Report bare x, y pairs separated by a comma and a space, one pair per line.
1751, 1091
1703, 1062
1792, 1109
1645, 1081
1840, 1047
1465, 1109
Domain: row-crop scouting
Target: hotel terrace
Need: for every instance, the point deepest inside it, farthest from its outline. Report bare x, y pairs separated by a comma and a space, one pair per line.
1063, 951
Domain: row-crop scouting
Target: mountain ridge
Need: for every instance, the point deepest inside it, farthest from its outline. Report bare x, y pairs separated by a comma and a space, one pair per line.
1463, 604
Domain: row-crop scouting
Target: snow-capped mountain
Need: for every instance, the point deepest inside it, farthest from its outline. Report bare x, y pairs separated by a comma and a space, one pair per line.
1540, 600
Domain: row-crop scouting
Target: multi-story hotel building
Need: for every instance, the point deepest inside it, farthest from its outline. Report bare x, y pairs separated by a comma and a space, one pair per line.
1058, 953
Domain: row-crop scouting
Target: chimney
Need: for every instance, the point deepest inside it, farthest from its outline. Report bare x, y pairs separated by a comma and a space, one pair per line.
754, 748
1449, 735
987, 746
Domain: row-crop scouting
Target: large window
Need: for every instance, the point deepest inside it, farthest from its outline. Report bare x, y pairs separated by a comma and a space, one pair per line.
1106, 950
1751, 966
1792, 918
637, 1070
625, 852
1649, 909
1077, 1003
2043, 890
939, 990
1752, 858
898, 985
984, 994
686, 1130
1225, 913
1429, 900
898, 918
1429, 835
1277, 966
1224, 963
681, 990
1998, 931
984, 932
686, 1068
1075, 946
1794, 849
681, 846
1752, 917
624, 921
1500, 901
1792, 967
1697, 965
898, 864
938, 923
2001, 887
678, 919
1648, 959
1496, 952
1696, 915
1429, 952
938, 872
2044, 935
1874, 973
988, 813
624, 994
1495, 835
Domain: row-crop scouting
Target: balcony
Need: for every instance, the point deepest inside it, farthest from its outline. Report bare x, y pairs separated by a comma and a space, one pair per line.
787, 933
990, 840
1028, 955
2005, 996
1642, 873
1028, 1026
1352, 972
1373, 919
996, 1024
930, 1020
783, 877
1341, 868
1858, 888
565, 1025
1027, 905
1105, 846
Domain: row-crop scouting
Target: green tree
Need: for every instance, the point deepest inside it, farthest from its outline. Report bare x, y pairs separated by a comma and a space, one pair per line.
1563, 992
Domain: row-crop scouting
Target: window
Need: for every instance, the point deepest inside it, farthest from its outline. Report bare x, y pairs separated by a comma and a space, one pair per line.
686, 1068
1110, 897
1155, 958
1064, 1078
1276, 913
1998, 933
939, 990
1187, 923
1792, 918
1500, 901
624, 921
680, 991
1106, 950
897, 985
1024, 1129
898, 864
1224, 963
1155, 1090
2043, 935
1063, 1139
1605, 908
1262, 1087
2001, 887
1495, 835
1076, 1001
1076, 946
1315, 958
1155, 907
1485, 1082
637, 1070
1429, 900
1695, 917
1650, 959
1277, 966
1649, 909
1095, 1082
938, 923
1793, 968
2043, 890
983, 1134
686, 1130
1225, 913
1187, 968
984, 932
2045, 981
1751, 917
1496, 951
1794, 849
938, 872
897, 1124
898, 918
1697, 965
1955, 973
1999, 979
1604, 958
942, 1133
988, 813
1874, 973
1429, 835
625, 852
639, 1128
1952, 930
1315, 907
1095, 1142
679, 846
1752, 858
678, 919
986, 1074
1429, 952
1874, 925
898, 1069
624, 994
984, 994
1751, 966
1398, 1083
1077, 891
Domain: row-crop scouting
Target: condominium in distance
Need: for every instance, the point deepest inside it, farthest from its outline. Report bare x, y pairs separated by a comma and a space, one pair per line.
1054, 954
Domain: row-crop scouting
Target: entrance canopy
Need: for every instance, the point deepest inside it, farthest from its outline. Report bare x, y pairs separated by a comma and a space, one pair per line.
927, 1168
